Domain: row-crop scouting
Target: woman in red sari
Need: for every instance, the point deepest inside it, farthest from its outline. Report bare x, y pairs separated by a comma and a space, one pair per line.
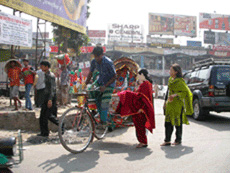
140, 105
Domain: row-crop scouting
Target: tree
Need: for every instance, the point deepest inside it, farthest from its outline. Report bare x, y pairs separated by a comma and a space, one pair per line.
67, 38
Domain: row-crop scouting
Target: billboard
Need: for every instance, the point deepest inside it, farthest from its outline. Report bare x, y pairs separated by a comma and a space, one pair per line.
169, 24
194, 43
218, 38
70, 14
96, 33
214, 21
185, 25
209, 37
125, 33
159, 40
89, 49
41, 35
160, 24
97, 36
15, 30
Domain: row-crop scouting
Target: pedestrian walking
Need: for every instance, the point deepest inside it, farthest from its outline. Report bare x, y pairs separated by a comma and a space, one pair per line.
49, 107
40, 88
28, 75
177, 106
64, 85
14, 75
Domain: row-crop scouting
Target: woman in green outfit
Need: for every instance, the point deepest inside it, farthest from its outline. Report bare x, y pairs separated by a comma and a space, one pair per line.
178, 104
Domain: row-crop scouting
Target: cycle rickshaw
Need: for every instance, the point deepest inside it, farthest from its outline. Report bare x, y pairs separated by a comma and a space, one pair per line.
82, 122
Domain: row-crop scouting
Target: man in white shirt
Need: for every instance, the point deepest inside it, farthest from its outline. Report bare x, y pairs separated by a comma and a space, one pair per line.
40, 87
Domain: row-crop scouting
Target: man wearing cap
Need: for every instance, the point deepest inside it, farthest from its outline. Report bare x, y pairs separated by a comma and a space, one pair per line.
106, 80
28, 75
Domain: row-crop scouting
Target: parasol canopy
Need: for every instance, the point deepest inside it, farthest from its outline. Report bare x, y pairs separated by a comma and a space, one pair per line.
7, 66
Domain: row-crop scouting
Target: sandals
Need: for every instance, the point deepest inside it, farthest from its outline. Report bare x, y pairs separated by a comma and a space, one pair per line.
176, 143
140, 145
165, 144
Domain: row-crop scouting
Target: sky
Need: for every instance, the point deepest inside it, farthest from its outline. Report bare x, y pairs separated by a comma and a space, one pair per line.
104, 12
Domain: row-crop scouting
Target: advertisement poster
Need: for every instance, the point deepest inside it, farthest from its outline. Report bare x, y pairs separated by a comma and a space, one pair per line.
169, 24
68, 13
97, 36
209, 37
194, 43
185, 25
214, 21
161, 24
125, 33
15, 30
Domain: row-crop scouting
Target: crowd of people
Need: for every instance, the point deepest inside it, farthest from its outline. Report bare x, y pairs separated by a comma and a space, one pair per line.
138, 104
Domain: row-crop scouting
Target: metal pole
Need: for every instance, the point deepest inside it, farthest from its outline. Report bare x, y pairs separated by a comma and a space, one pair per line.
163, 69
36, 52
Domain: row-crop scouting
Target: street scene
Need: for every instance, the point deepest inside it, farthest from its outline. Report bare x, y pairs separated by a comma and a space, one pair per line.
114, 86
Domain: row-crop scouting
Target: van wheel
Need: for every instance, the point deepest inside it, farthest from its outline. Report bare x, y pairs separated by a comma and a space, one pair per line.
198, 111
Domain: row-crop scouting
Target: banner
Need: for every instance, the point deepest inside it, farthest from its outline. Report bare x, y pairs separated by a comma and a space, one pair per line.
194, 43
185, 51
89, 49
185, 25
125, 33
159, 40
41, 35
220, 54
15, 30
169, 24
70, 14
163, 45
221, 48
160, 24
214, 21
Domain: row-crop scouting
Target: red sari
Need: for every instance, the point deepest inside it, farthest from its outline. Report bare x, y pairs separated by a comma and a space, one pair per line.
131, 102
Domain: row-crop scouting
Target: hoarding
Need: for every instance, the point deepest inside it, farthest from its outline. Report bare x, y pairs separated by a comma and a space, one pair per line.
70, 14
214, 21
209, 37
161, 24
221, 48
159, 40
41, 35
169, 24
96, 33
185, 25
163, 45
218, 38
15, 30
194, 43
125, 33
185, 51
97, 36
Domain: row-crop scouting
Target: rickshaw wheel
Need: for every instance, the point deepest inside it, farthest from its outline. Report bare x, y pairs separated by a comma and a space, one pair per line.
75, 130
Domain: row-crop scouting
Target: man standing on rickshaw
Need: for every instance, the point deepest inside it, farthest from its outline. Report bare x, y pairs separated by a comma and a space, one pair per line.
106, 81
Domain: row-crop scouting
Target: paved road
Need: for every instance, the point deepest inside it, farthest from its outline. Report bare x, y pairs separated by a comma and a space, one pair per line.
205, 148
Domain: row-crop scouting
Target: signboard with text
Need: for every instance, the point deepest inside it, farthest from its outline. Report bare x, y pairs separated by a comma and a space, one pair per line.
194, 43
70, 14
218, 38
15, 30
89, 49
125, 33
97, 36
214, 21
159, 40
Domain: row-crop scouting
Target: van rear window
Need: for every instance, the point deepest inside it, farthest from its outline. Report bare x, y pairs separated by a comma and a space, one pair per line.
223, 74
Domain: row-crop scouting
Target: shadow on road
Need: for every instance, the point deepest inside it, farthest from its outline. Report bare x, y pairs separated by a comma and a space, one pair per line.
176, 151
119, 148
72, 162
216, 122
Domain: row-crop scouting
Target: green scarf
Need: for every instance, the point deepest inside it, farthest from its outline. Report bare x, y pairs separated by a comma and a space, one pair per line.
183, 100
